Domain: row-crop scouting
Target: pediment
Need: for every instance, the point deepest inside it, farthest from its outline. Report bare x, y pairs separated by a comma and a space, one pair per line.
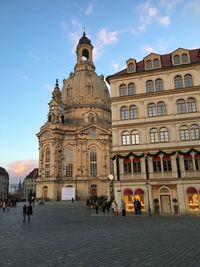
93, 127
151, 56
180, 51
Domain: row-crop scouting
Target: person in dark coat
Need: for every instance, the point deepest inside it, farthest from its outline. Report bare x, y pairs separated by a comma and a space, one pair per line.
29, 211
24, 212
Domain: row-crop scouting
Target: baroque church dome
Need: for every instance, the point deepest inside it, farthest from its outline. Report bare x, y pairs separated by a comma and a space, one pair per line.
84, 86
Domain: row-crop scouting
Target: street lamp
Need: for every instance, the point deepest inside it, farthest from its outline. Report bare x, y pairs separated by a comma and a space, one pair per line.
148, 198
111, 187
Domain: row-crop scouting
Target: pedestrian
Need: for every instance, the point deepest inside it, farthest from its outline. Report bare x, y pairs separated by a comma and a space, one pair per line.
24, 212
139, 207
72, 200
135, 206
123, 208
29, 211
4, 206
96, 207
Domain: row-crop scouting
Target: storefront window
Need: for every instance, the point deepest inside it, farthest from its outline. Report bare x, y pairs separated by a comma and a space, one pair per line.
192, 197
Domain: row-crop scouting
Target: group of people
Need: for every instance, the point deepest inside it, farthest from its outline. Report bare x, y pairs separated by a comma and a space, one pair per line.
106, 205
27, 211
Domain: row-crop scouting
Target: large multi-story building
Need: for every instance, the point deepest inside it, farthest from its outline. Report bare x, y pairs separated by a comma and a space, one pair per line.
75, 142
29, 184
4, 183
155, 106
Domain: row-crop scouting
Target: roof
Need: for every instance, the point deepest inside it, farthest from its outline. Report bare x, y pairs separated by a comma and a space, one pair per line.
84, 40
165, 63
33, 174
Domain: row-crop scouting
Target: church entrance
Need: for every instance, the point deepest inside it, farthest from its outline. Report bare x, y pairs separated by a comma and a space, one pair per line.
165, 204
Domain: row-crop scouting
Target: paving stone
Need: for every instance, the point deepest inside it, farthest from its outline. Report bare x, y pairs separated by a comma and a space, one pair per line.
62, 234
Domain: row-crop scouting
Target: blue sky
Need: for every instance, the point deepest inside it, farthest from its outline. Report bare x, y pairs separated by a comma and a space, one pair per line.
38, 40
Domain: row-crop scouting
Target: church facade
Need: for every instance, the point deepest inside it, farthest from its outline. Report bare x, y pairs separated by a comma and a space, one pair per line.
75, 142
155, 107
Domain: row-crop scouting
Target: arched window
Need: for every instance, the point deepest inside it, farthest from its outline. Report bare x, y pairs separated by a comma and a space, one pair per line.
93, 162
124, 113
159, 85
164, 136
69, 92
181, 106
149, 86
184, 58
157, 164
188, 162
85, 54
47, 155
177, 59
167, 165
131, 67
188, 80
62, 119
184, 133
127, 165
131, 89
133, 112
194, 131
191, 105
148, 65
136, 165
91, 117
122, 90
49, 118
156, 63
154, 135
178, 82
125, 138
197, 161
69, 162
161, 110
135, 137
151, 110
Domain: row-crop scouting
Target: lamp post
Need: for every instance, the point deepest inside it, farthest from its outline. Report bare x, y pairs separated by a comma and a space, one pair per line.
148, 198
111, 186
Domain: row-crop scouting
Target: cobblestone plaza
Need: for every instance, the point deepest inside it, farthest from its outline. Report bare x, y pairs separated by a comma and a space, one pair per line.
67, 234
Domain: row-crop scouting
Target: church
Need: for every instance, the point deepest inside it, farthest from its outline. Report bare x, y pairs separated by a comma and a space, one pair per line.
75, 141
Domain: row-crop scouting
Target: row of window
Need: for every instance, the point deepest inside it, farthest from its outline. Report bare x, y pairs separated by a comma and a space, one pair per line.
157, 86
162, 135
158, 109
162, 164
155, 63
69, 162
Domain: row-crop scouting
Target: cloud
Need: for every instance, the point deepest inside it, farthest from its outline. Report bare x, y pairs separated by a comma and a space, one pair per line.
148, 49
48, 87
104, 38
23, 76
32, 55
115, 66
169, 5
75, 35
18, 170
89, 10
165, 21
149, 14
192, 7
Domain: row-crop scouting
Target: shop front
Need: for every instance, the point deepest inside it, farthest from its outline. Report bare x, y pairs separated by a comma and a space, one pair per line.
130, 195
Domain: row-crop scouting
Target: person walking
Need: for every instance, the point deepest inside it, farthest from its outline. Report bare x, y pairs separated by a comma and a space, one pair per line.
4, 206
24, 212
123, 208
29, 211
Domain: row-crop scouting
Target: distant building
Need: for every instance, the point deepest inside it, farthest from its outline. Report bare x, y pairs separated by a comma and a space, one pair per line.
4, 183
75, 141
156, 131
29, 183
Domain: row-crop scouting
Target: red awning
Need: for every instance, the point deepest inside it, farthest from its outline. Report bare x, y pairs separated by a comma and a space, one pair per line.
139, 191
128, 191
156, 158
191, 190
187, 156
197, 156
127, 160
166, 158
136, 159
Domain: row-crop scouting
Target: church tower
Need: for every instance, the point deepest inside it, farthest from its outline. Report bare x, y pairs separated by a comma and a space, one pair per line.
75, 141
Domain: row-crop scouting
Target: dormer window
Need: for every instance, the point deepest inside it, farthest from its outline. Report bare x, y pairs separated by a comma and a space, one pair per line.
148, 64
131, 67
177, 59
184, 58
156, 63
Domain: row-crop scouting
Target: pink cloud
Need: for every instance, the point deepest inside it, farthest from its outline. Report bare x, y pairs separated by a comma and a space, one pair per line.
18, 170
